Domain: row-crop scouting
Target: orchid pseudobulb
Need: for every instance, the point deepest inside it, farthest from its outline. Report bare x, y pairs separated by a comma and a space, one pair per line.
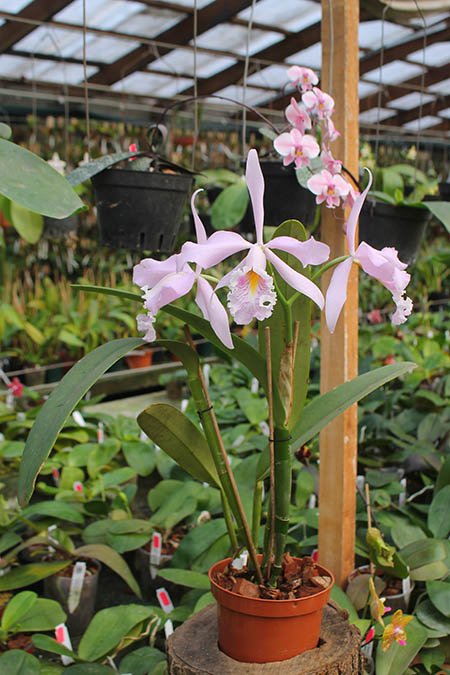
251, 289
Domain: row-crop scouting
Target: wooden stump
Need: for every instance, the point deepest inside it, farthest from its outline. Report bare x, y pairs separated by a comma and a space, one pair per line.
193, 650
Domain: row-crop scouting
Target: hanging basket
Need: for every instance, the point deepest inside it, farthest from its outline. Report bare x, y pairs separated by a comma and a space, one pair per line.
140, 209
284, 197
400, 227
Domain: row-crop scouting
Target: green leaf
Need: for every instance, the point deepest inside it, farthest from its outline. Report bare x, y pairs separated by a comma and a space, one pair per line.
142, 661
89, 669
26, 575
28, 224
432, 617
443, 477
172, 431
18, 662
5, 131
254, 408
101, 455
230, 206
43, 615
441, 211
108, 628
185, 578
342, 599
439, 593
425, 558
58, 510
140, 456
111, 559
330, 405
128, 535
196, 542
60, 404
19, 605
49, 644
87, 171
397, 658
113, 479
31, 182
203, 601
403, 533
438, 513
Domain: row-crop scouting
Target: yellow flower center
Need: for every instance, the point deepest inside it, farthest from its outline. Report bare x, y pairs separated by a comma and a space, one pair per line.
253, 280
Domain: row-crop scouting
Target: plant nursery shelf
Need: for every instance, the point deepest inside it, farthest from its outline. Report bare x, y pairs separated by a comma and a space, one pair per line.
193, 650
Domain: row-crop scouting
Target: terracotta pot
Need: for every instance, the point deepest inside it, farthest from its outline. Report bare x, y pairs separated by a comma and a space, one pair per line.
255, 630
140, 358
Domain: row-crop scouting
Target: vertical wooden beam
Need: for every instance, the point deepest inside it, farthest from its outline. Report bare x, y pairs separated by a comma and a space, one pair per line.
339, 352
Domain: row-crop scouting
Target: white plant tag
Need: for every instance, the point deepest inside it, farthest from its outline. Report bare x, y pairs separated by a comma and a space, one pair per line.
360, 480
10, 404
206, 372
55, 474
168, 628
184, 404
406, 587
50, 530
402, 495
254, 387
264, 428
100, 433
312, 501
76, 586
63, 638
21, 417
155, 554
78, 418
4, 570
164, 600
78, 487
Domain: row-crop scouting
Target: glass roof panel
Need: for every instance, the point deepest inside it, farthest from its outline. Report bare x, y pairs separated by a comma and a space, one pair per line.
424, 123
236, 92
409, 101
445, 113
106, 14
149, 23
14, 66
151, 84
293, 15
274, 77
181, 61
234, 38
366, 89
442, 87
372, 117
433, 55
13, 6
394, 72
311, 57
370, 33
61, 73
191, 3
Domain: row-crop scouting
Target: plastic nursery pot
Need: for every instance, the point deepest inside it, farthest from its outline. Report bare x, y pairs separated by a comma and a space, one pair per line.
57, 587
140, 358
284, 197
255, 630
395, 600
140, 209
59, 228
444, 192
401, 227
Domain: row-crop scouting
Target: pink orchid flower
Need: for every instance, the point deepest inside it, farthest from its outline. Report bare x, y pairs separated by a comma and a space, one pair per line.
297, 116
317, 102
330, 133
296, 147
328, 188
384, 266
330, 163
167, 280
252, 293
302, 77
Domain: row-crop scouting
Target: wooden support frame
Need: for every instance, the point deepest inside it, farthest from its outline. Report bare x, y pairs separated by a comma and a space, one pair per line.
339, 352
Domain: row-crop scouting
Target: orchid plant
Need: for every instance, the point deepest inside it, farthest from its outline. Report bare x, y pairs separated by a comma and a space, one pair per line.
274, 285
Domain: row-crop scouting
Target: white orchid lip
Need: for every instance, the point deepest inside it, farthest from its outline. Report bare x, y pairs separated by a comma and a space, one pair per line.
251, 295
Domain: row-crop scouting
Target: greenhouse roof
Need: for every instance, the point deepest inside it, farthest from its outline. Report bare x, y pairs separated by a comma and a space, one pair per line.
139, 54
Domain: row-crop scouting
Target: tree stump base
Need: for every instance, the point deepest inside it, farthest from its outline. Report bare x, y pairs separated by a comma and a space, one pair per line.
193, 650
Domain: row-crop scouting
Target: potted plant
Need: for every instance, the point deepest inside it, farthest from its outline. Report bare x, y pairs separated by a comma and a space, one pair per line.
140, 205
25, 613
399, 208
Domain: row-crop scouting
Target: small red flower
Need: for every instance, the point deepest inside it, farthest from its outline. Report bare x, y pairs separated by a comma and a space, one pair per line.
16, 387
375, 316
389, 360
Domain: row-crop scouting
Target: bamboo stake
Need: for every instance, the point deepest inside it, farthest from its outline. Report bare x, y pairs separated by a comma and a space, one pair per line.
369, 521
271, 453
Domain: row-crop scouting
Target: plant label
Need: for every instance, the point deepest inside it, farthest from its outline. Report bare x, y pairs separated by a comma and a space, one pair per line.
360, 480
155, 554
402, 495
100, 433
78, 418
184, 405
312, 501
63, 638
406, 587
55, 474
254, 387
78, 487
168, 628
76, 586
164, 600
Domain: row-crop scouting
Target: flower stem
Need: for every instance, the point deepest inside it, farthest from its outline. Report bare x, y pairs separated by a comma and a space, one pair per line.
283, 482
257, 508
332, 263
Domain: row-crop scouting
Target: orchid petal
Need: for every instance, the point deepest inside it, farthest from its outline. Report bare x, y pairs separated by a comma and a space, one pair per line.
149, 272
384, 266
336, 294
219, 246
283, 144
172, 287
309, 252
255, 183
145, 323
213, 311
199, 227
255, 260
296, 280
354, 216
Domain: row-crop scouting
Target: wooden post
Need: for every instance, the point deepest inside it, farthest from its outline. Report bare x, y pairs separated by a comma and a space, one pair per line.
339, 352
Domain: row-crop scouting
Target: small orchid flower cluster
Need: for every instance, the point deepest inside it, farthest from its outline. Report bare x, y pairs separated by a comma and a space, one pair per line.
307, 144
252, 290
395, 630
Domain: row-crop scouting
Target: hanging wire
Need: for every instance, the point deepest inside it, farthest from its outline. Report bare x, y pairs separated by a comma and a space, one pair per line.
196, 123
380, 84
422, 84
86, 92
246, 66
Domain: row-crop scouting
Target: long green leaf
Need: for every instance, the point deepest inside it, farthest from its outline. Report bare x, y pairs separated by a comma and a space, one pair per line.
49, 644
113, 560
60, 404
104, 290
25, 575
326, 407
43, 615
26, 179
96, 166
169, 428
18, 662
441, 211
186, 578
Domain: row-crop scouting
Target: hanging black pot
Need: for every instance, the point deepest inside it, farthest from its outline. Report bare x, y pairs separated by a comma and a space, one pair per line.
59, 228
444, 191
400, 227
284, 197
140, 209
